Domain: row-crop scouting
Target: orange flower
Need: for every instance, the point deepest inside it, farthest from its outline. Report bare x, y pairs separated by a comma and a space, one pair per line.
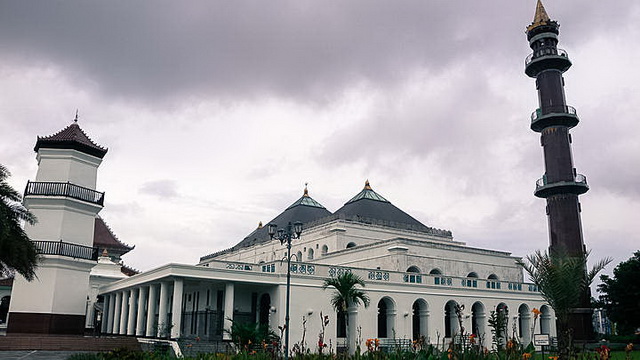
536, 312
526, 356
553, 357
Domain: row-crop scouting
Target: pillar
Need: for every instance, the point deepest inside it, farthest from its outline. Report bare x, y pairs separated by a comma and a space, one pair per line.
151, 311
228, 310
124, 313
352, 330
105, 314
163, 325
176, 308
133, 306
116, 313
142, 301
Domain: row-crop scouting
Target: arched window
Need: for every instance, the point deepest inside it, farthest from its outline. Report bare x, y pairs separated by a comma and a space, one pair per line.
478, 319
351, 244
310, 254
492, 282
524, 324
325, 250
413, 269
472, 275
435, 272
411, 277
471, 280
299, 256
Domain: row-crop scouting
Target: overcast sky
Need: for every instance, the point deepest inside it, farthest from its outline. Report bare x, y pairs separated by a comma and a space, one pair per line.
216, 113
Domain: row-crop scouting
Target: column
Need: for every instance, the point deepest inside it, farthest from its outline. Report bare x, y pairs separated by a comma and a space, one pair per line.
352, 331
176, 308
228, 310
391, 322
124, 313
133, 306
423, 316
142, 301
163, 326
116, 313
105, 314
151, 311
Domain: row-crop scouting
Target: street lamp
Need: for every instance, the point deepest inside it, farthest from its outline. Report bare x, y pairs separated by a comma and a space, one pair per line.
292, 231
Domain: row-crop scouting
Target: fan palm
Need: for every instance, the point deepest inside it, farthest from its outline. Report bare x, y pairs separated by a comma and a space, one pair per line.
346, 295
17, 252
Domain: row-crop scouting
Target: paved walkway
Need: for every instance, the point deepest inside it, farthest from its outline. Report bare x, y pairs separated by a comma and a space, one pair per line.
37, 355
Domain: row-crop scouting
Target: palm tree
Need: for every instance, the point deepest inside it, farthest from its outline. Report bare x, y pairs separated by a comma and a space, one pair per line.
347, 295
17, 252
562, 281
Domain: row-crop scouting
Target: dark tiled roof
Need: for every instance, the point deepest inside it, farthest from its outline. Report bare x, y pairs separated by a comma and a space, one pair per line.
104, 238
305, 210
6, 282
369, 204
129, 271
71, 137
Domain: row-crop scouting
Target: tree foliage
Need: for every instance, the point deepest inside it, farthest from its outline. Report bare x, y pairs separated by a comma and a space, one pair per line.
346, 291
17, 252
621, 294
561, 279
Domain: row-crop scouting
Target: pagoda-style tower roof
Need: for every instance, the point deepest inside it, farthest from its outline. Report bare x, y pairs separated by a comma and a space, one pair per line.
71, 137
105, 239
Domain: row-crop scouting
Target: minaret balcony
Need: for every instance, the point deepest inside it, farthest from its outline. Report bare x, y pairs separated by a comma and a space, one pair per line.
50, 188
61, 248
546, 58
562, 115
578, 186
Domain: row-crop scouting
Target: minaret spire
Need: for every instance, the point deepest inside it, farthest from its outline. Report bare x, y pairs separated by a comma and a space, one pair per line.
560, 184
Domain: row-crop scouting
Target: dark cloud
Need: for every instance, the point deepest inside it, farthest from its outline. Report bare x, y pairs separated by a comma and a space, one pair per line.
165, 50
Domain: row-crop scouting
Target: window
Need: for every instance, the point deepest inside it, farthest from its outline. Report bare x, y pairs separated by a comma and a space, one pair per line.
310, 254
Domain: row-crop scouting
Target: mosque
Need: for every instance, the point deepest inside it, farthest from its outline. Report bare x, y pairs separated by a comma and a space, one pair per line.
417, 277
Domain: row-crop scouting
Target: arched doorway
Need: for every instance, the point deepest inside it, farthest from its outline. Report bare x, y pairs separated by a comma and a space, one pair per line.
265, 308
451, 325
545, 319
386, 317
420, 320
478, 318
524, 324
502, 312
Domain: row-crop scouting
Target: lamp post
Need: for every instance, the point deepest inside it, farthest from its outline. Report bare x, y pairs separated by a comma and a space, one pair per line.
292, 231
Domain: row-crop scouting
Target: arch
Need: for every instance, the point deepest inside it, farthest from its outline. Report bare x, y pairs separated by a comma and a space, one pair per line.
4, 308
310, 254
386, 317
493, 277
492, 282
265, 307
545, 319
435, 271
451, 325
413, 269
299, 256
472, 274
471, 280
478, 319
524, 323
420, 320
351, 244
325, 250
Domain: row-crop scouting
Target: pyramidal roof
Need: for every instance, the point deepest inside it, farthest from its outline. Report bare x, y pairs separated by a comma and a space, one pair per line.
368, 204
105, 239
305, 210
71, 137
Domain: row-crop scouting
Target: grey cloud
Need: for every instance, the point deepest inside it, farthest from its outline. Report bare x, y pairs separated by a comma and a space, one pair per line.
160, 188
165, 50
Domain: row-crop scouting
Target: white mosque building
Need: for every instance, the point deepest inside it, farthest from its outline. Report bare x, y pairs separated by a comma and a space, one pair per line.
415, 275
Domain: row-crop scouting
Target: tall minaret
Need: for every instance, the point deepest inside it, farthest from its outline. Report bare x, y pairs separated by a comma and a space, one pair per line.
64, 199
560, 184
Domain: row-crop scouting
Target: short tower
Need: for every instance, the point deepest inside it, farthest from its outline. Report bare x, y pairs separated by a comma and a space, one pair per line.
561, 184
64, 199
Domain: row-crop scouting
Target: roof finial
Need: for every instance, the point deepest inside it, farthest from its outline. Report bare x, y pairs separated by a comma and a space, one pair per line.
306, 191
105, 253
76, 118
260, 225
540, 18
367, 186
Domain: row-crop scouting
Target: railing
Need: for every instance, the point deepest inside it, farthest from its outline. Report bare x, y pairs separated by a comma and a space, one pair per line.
560, 109
67, 249
50, 188
579, 178
543, 52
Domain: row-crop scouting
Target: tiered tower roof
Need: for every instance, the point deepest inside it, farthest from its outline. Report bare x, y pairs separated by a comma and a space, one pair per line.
71, 137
